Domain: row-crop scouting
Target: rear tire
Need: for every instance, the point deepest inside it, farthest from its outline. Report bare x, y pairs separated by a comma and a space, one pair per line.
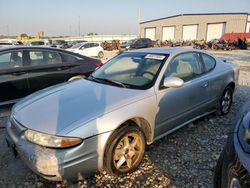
226, 100
125, 150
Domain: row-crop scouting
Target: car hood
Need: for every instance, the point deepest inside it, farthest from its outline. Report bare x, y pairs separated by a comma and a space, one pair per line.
54, 109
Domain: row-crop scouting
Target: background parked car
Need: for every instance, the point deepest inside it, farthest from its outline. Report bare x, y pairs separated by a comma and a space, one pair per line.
36, 43
105, 121
24, 70
137, 43
91, 49
72, 43
59, 44
233, 166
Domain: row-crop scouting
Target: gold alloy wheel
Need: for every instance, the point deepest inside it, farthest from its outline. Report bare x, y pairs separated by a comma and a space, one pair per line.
128, 152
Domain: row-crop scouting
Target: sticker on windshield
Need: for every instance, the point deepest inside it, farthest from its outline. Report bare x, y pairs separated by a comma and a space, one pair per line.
154, 56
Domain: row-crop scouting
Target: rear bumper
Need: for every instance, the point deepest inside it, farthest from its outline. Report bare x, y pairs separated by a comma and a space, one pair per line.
70, 164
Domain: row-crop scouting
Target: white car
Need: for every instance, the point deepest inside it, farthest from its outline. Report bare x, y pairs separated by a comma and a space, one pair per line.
91, 49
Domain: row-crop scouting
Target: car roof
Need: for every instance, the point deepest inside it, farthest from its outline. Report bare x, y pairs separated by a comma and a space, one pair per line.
164, 50
32, 47
7, 48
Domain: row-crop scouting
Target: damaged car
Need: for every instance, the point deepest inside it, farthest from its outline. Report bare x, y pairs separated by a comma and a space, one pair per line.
105, 121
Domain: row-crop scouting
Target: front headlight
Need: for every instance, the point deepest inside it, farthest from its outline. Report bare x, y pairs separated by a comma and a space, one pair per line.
127, 47
51, 141
244, 133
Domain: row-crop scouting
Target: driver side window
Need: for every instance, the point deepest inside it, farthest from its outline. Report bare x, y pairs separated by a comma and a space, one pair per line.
185, 66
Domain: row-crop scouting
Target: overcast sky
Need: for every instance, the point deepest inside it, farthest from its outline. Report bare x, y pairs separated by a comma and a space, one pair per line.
60, 17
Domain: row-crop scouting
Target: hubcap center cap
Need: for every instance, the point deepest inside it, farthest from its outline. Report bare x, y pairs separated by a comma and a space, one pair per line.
126, 151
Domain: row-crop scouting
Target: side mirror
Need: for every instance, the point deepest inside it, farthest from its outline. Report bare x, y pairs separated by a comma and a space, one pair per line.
172, 82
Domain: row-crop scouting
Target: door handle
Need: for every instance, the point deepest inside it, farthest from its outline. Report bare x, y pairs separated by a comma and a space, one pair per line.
18, 73
204, 85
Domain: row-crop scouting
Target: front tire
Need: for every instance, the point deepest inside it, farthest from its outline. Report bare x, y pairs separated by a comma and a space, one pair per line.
101, 55
125, 150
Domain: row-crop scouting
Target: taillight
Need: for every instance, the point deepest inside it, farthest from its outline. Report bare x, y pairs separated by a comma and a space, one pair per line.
98, 64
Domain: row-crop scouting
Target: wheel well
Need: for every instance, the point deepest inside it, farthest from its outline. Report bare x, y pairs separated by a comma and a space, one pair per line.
144, 125
140, 122
232, 85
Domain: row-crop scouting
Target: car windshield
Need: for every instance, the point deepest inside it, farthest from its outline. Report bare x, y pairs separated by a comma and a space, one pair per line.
131, 70
78, 45
131, 41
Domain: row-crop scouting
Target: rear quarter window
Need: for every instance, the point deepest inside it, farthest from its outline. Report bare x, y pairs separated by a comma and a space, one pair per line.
66, 58
209, 62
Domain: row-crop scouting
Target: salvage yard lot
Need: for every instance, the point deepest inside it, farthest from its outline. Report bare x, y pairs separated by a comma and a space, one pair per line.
186, 158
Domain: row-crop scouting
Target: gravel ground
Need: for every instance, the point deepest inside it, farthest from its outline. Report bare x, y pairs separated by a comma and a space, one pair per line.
186, 158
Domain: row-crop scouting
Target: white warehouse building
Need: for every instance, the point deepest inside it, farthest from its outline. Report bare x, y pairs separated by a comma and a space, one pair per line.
195, 26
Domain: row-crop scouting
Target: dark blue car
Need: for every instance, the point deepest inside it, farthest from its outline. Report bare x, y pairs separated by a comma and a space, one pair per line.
233, 166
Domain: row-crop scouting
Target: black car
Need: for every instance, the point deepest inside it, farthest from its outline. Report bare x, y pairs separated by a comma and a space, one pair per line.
137, 43
24, 70
59, 44
233, 166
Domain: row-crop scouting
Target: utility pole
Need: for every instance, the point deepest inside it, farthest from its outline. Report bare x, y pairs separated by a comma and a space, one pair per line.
79, 27
138, 24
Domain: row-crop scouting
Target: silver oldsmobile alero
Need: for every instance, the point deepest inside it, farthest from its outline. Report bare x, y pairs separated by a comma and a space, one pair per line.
104, 122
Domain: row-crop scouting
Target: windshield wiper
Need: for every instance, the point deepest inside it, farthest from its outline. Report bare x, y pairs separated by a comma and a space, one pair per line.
108, 80
112, 81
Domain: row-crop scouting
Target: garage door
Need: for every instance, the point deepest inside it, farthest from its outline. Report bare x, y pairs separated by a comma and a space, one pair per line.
189, 32
248, 27
150, 33
215, 31
168, 33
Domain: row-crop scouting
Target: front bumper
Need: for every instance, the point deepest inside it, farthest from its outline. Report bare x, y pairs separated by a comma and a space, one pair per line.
243, 156
54, 164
